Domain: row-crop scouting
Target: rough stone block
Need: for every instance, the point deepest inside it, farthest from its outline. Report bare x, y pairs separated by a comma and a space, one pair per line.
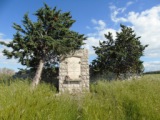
74, 72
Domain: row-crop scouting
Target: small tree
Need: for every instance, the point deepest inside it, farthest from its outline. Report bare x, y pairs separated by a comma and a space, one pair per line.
120, 56
39, 44
105, 56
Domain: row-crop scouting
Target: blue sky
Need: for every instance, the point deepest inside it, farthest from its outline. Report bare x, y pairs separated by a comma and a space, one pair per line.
94, 18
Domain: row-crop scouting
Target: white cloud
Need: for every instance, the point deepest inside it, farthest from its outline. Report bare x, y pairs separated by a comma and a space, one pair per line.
94, 38
117, 11
4, 62
91, 41
102, 24
94, 21
2, 47
129, 3
1, 34
152, 66
87, 27
114, 14
2, 38
99, 24
1, 54
147, 25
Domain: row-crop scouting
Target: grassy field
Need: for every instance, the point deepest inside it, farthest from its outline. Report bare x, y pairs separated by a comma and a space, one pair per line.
116, 100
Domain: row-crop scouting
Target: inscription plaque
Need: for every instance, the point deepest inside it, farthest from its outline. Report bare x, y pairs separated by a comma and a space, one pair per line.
74, 68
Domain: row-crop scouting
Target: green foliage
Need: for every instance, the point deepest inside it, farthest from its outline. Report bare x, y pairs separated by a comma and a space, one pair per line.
49, 75
120, 56
116, 100
46, 39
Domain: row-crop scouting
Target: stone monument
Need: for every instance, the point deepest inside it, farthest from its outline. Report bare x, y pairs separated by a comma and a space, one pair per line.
74, 72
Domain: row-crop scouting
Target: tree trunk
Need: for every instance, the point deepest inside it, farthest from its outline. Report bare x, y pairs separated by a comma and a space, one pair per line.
117, 76
37, 76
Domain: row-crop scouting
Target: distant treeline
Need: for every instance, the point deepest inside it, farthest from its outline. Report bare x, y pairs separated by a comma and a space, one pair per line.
152, 72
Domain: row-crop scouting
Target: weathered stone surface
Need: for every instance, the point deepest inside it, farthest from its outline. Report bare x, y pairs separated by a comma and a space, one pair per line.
74, 68
74, 72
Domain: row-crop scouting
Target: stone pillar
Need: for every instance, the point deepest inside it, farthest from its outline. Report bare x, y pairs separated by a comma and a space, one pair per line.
74, 72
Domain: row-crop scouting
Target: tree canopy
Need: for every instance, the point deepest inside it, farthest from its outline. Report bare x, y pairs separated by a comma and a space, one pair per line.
40, 43
119, 56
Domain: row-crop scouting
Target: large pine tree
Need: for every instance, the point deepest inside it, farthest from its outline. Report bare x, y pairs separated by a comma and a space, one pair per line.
38, 44
119, 56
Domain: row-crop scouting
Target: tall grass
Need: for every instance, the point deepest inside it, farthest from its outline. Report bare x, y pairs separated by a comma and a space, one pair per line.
18, 101
116, 100
125, 100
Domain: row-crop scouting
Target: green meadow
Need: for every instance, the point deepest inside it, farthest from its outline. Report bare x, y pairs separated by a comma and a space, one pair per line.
137, 99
